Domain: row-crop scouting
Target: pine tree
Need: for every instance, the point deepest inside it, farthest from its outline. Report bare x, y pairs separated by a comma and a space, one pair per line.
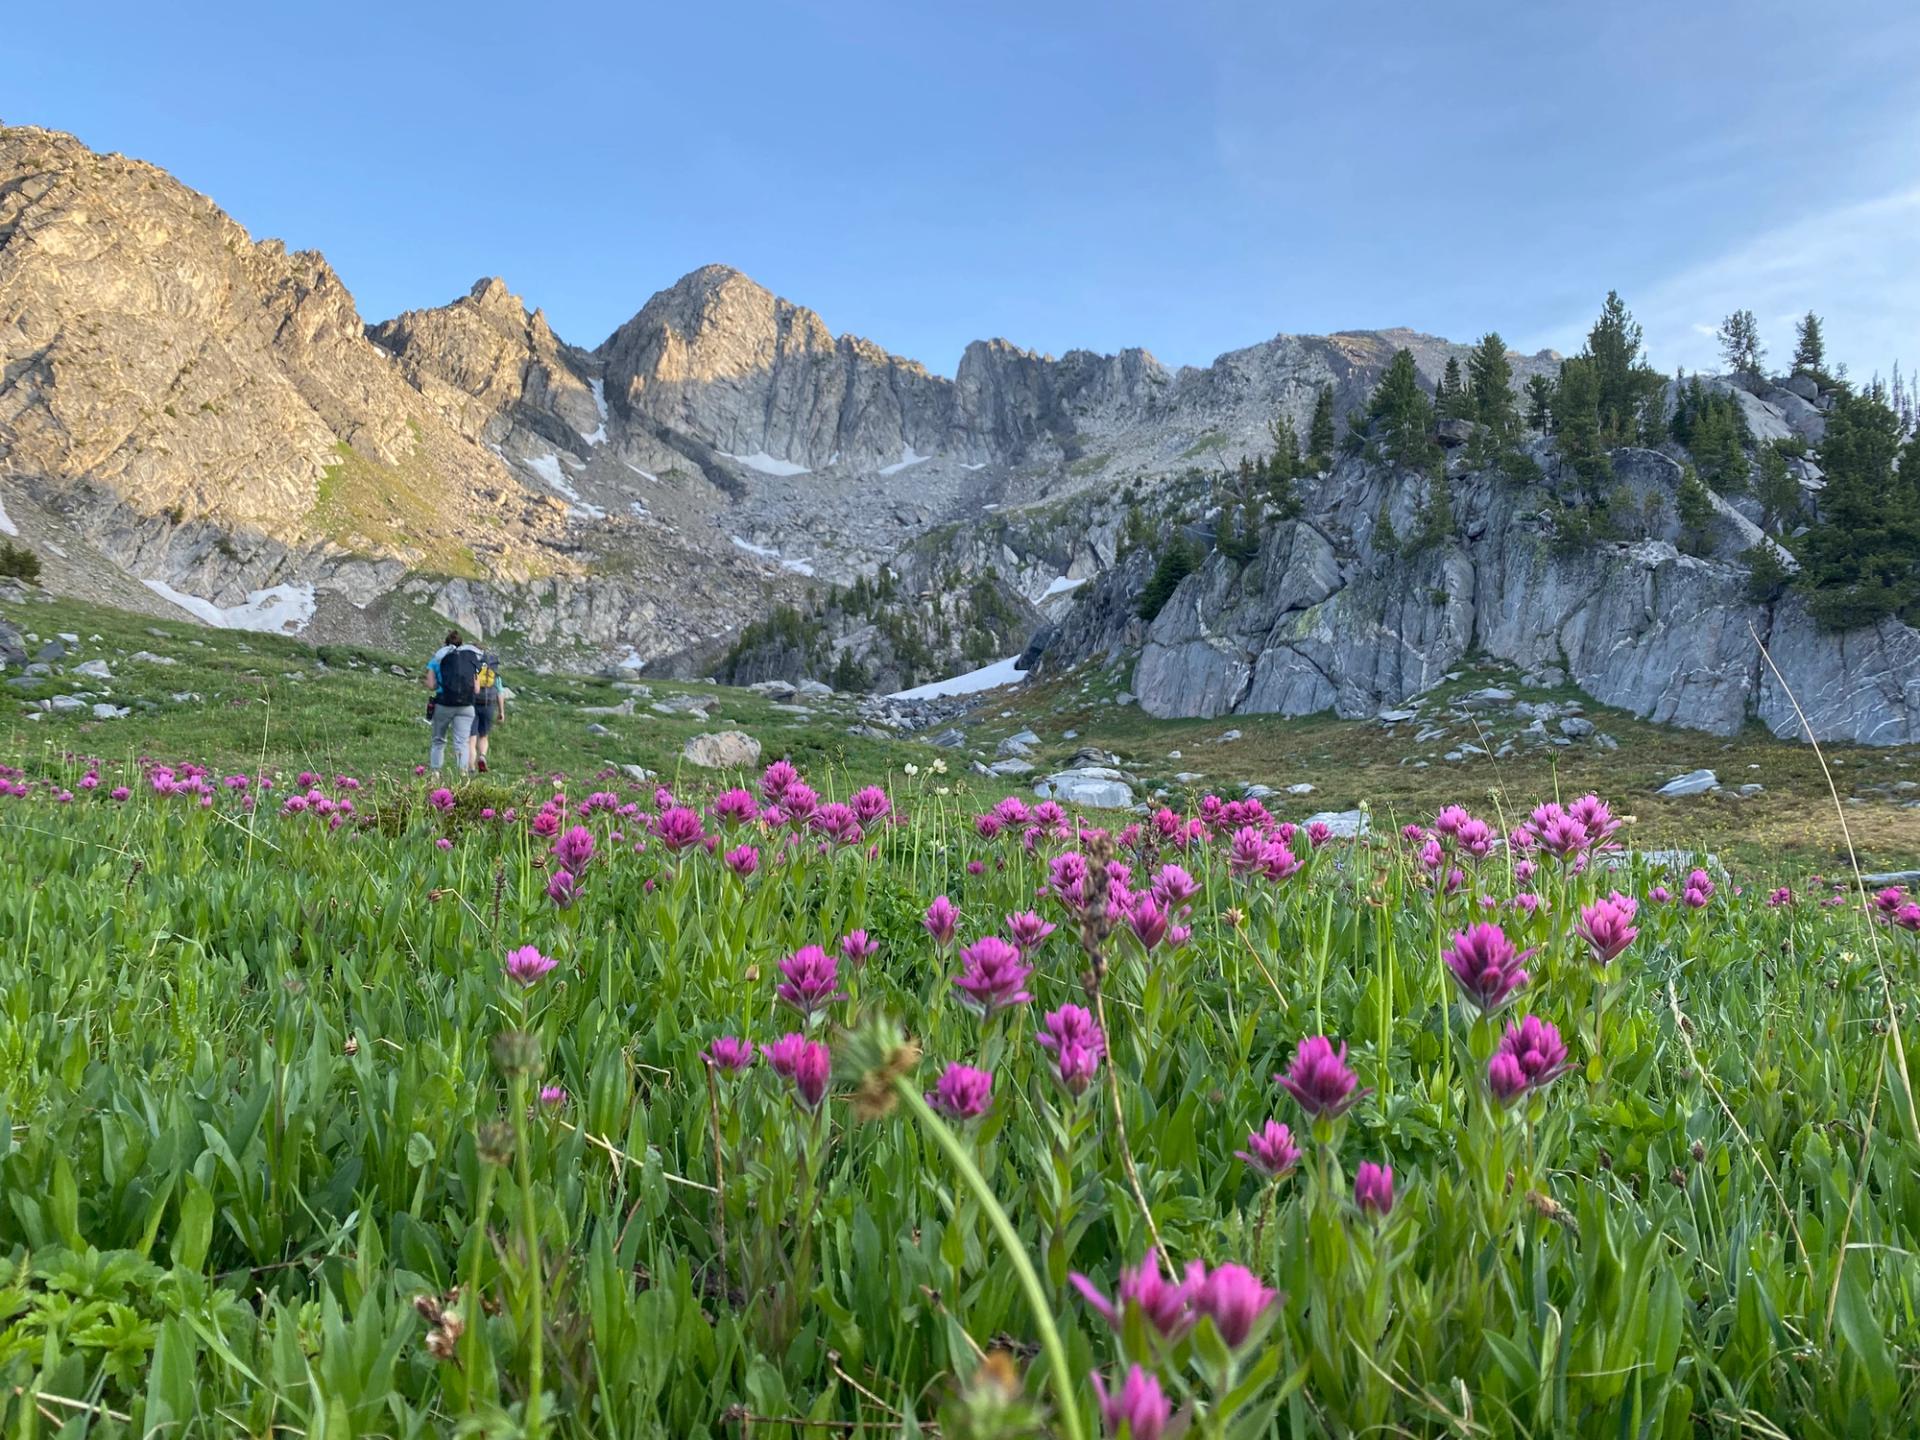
1177, 562
1436, 515
1860, 561
1490, 382
1539, 403
1400, 411
1694, 506
1285, 463
1778, 492
1320, 441
1452, 396
1809, 348
1576, 415
1621, 376
1717, 444
1740, 343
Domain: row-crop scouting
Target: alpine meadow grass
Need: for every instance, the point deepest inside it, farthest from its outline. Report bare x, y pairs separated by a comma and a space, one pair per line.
357, 1105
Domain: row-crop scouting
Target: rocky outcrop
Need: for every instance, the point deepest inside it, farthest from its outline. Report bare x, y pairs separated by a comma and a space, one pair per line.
1354, 626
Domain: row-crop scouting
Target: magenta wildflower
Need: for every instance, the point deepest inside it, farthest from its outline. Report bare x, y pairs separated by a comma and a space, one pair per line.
1373, 1188
553, 1096
1173, 887
1271, 1150
1607, 927
1320, 1079
1278, 862
1780, 897
808, 1064
963, 1093
119, 793
994, 976
858, 947
443, 843
1028, 930
810, 980
736, 807
680, 828
870, 804
729, 1053
1887, 901
776, 780
742, 860
561, 888
1166, 1305
1907, 918
1537, 1053
441, 799
1147, 921
1138, 1410
1485, 966
1233, 1297
943, 920
526, 967
574, 849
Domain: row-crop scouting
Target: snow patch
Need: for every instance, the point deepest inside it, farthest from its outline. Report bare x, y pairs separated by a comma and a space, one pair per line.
643, 474
767, 464
7, 527
988, 677
277, 610
547, 467
1061, 586
798, 567
907, 457
981, 466
599, 436
637, 508
585, 511
631, 660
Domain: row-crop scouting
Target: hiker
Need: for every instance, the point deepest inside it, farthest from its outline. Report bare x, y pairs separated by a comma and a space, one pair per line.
451, 674
489, 705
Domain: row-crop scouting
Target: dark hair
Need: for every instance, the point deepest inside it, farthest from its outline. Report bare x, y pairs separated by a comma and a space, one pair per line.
453, 637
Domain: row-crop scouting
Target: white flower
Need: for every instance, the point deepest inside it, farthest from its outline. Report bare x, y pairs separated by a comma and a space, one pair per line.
911, 768
939, 767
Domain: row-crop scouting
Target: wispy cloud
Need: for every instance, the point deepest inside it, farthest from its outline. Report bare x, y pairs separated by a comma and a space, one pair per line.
1855, 266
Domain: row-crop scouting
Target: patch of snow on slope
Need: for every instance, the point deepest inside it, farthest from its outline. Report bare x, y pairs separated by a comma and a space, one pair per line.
7, 527
1062, 585
599, 436
981, 466
798, 567
643, 474
547, 467
767, 464
907, 457
988, 677
277, 610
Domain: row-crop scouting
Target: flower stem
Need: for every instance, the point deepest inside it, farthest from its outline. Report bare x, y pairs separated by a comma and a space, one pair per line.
535, 1276
1058, 1375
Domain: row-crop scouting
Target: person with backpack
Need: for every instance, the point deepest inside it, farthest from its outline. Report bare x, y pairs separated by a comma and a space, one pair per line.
452, 676
489, 705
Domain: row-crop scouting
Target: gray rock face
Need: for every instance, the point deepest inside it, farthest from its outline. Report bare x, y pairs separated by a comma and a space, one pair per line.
1310, 625
723, 750
1343, 824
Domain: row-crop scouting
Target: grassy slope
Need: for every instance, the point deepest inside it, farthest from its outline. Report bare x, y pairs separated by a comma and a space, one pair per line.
339, 708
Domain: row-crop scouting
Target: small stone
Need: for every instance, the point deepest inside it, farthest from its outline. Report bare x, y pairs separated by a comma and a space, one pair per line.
1225, 736
1343, 824
1577, 727
93, 670
109, 712
596, 728
1303, 788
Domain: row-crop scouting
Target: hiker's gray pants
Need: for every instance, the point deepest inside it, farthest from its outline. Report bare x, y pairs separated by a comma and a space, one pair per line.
458, 719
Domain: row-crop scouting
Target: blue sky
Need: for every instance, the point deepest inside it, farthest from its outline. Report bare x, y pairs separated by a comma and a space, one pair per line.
1189, 178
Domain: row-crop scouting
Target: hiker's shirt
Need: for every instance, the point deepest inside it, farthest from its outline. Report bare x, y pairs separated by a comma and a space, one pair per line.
433, 668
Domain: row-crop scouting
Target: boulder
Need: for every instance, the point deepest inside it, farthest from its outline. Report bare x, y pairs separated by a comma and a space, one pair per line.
1094, 788
951, 738
1452, 433
639, 774
1343, 824
816, 689
1008, 768
13, 650
1576, 726
147, 657
774, 690
1694, 782
109, 712
722, 750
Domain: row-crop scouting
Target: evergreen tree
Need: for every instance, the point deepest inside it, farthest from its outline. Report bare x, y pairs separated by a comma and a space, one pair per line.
1436, 515
1740, 343
1686, 399
1539, 403
1454, 403
1285, 462
1177, 562
1694, 506
1490, 382
1860, 561
1778, 492
1809, 348
1576, 415
849, 674
1402, 415
1621, 376
1320, 439
1718, 444
1134, 533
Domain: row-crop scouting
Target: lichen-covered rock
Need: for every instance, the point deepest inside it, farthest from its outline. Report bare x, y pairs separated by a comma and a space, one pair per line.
723, 750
